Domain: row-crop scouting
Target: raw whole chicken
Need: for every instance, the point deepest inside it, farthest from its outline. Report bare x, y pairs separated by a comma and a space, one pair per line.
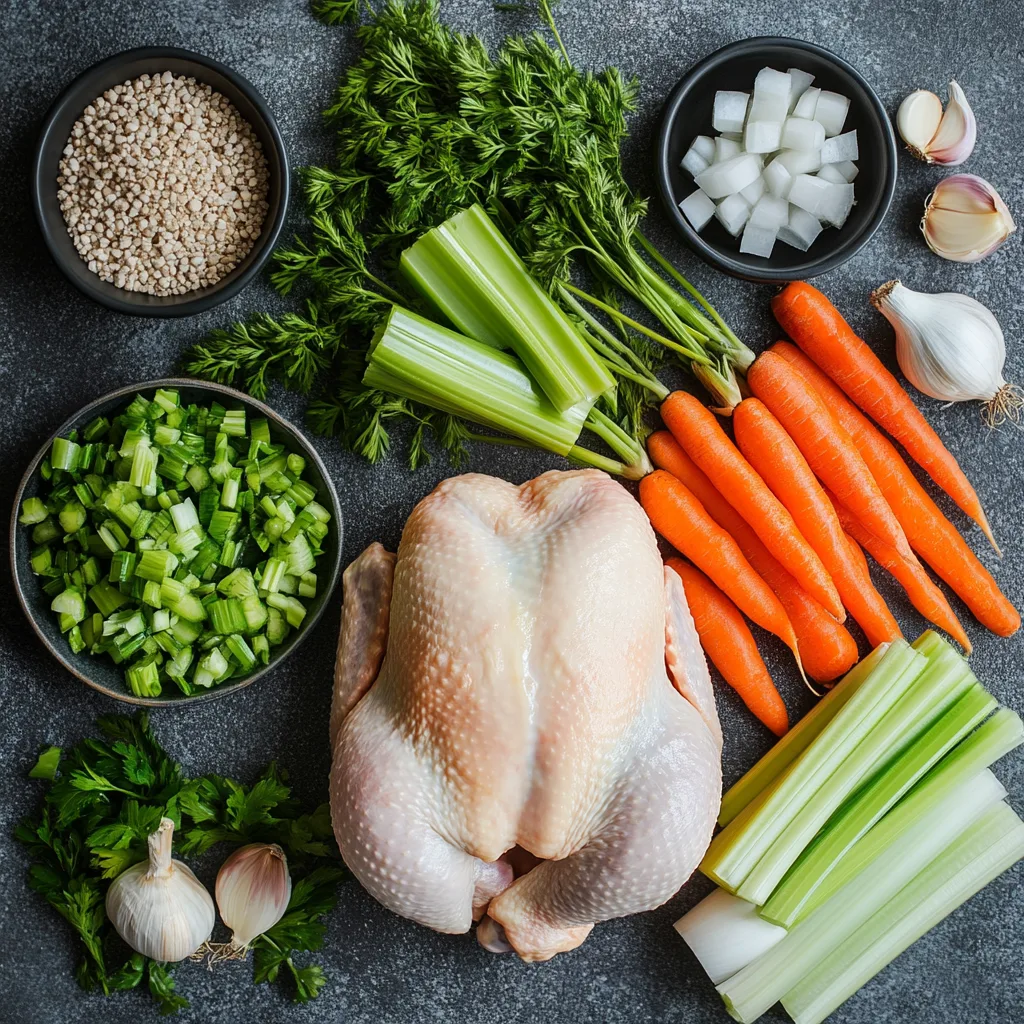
522, 687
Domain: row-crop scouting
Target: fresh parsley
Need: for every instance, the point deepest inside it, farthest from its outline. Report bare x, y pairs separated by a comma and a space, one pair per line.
108, 793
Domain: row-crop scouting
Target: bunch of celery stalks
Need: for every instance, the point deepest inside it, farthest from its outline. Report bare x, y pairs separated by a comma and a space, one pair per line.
870, 821
544, 391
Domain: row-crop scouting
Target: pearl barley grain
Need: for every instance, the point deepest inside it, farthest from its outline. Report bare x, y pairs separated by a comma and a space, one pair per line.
163, 185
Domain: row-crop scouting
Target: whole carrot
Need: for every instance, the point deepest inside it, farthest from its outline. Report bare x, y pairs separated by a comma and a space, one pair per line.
930, 533
681, 519
819, 329
731, 647
699, 434
773, 453
825, 444
826, 648
924, 595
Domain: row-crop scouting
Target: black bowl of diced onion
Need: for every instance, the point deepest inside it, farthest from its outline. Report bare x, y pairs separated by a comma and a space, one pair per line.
718, 227
217, 461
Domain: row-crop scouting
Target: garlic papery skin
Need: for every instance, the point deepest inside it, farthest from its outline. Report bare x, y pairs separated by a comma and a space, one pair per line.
950, 347
918, 119
954, 141
253, 890
158, 906
965, 219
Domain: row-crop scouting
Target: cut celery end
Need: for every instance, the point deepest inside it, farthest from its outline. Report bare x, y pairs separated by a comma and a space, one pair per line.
797, 740
736, 850
757, 987
945, 678
424, 362
808, 883
983, 852
468, 271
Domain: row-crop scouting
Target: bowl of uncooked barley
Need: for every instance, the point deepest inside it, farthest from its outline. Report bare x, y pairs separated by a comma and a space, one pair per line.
160, 182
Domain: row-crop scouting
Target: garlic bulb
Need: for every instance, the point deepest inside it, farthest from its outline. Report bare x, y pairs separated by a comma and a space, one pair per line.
965, 219
253, 890
950, 347
158, 906
933, 136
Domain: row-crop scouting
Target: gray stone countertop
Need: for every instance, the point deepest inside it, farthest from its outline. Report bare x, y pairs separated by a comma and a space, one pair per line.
58, 351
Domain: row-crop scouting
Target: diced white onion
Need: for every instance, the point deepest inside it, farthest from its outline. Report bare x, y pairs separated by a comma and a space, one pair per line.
725, 149
838, 204
694, 162
777, 179
810, 193
762, 136
830, 111
732, 213
801, 230
758, 241
800, 82
799, 133
753, 191
723, 179
771, 96
840, 147
698, 208
769, 212
705, 145
804, 106
798, 161
730, 111
848, 169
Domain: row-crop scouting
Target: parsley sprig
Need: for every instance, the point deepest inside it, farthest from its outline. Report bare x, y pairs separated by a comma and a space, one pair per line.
107, 794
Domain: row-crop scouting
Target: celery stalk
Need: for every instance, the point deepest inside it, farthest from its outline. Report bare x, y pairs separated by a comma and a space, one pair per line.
804, 886
943, 681
738, 848
751, 991
797, 740
467, 270
994, 844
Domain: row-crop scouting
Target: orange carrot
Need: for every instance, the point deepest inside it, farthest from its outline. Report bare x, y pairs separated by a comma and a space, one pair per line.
681, 519
699, 434
930, 533
730, 645
773, 453
924, 595
826, 648
825, 444
819, 329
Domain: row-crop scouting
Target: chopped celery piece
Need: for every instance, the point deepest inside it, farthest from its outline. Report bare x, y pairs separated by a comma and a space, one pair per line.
255, 613
944, 679
64, 454
983, 852
70, 603
277, 627
167, 398
198, 477
261, 648
156, 565
273, 574
738, 848
293, 609
307, 585
72, 517
238, 583
106, 598
45, 531
226, 616
259, 429
144, 676
797, 740
804, 886
41, 560
229, 490
751, 991
33, 510
211, 668
184, 516
467, 270
298, 556
241, 652
122, 566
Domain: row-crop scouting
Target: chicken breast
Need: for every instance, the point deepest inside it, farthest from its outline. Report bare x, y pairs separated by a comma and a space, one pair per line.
522, 685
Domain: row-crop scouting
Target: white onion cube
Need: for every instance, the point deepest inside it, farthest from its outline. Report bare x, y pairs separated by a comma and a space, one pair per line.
758, 241
804, 107
800, 133
837, 205
730, 111
777, 179
800, 82
732, 213
801, 230
771, 95
832, 173
723, 179
840, 147
733, 136
848, 169
810, 193
694, 162
769, 212
754, 191
762, 136
830, 111
698, 208
705, 145
798, 161
725, 149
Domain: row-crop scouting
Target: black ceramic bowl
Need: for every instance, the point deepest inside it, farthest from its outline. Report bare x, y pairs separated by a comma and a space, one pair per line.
734, 67
57, 127
100, 672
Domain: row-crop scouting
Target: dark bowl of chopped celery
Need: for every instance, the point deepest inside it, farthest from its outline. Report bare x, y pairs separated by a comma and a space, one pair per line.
173, 541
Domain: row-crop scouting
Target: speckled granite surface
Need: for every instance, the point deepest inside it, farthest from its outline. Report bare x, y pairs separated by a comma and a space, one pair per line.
57, 351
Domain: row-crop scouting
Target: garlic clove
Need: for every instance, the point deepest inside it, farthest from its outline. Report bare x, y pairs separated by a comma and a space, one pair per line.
958, 131
965, 219
253, 890
918, 120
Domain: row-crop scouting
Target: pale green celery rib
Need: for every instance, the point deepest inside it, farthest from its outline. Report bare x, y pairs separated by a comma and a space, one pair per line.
993, 845
736, 850
417, 359
758, 986
797, 740
989, 742
804, 888
467, 270
943, 681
